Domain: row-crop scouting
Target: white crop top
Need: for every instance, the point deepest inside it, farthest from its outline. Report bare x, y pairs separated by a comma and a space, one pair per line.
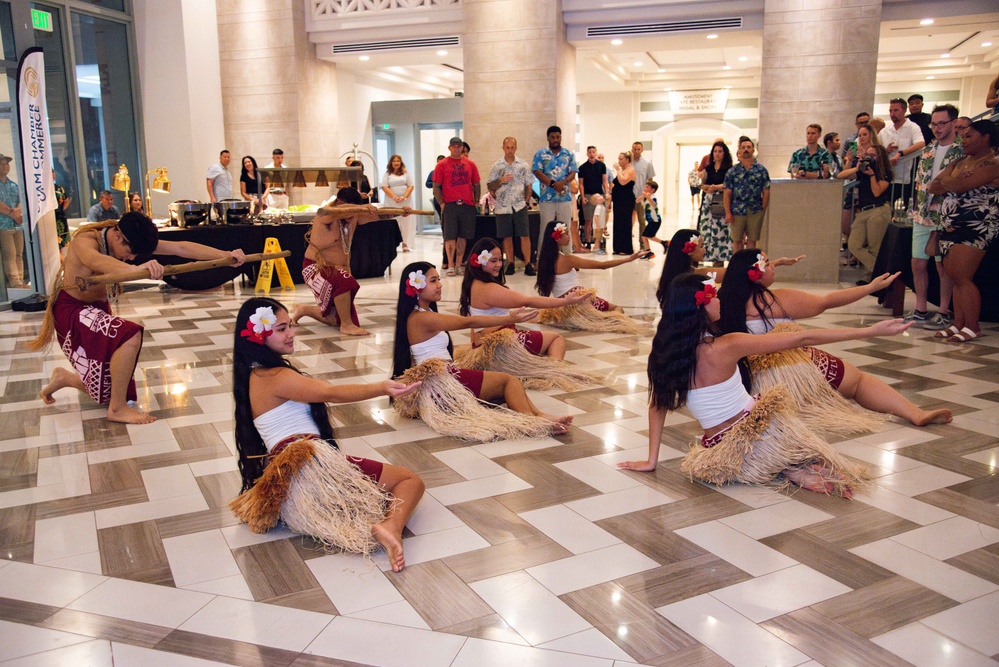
495, 310
762, 326
289, 418
565, 282
719, 402
431, 348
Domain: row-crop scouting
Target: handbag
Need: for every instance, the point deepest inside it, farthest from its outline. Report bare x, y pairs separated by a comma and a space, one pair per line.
932, 248
717, 206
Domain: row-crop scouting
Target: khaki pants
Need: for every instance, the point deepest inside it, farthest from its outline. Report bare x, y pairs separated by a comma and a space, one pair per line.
867, 232
12, 250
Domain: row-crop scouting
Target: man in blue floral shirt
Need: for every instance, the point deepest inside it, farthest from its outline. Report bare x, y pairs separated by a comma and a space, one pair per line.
812, 161
555, 167
747, 195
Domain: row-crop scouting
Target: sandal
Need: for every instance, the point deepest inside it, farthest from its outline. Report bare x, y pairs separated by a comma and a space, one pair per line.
450, 272
963, 336
947, 333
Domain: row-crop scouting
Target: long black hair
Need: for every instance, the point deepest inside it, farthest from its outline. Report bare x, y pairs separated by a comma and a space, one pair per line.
242, 165
673, 359
737, 290
246, 356
402, 358
676, 263
473, 273
726, 157
547, 258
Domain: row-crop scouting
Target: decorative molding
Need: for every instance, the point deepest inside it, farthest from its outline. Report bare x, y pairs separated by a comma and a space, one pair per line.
331, 9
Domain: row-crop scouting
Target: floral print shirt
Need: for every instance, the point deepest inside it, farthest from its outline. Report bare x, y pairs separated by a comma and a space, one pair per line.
927, 206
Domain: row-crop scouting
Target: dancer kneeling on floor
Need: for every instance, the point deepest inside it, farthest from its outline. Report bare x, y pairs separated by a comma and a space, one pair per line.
421, 335
483, 292
291, 466
749, 306
753, 440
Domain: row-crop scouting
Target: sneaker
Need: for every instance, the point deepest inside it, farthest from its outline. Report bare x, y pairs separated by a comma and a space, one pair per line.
939, 322
600, 251
511, 269
917, 316
530, 271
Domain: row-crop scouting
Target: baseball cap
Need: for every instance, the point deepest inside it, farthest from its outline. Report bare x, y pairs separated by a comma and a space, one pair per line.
5, 157
455, 140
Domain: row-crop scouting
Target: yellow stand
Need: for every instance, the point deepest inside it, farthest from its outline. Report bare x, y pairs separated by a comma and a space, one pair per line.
267, 267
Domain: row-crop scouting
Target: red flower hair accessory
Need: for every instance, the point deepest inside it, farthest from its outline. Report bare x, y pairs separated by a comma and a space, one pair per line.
260, 325
757, 270
481, 259
710, 291
417, 281
691, 245
559, 230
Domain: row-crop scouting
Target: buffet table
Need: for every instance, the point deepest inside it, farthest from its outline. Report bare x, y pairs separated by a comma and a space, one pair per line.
372, 250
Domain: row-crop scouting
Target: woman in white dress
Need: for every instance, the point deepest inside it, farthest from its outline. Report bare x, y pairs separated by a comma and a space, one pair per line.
397, 184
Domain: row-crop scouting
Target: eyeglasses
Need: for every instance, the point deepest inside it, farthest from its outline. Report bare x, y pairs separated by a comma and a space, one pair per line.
941, 124
961, 128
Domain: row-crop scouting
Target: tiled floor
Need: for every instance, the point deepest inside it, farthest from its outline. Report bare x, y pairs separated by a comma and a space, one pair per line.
117, 546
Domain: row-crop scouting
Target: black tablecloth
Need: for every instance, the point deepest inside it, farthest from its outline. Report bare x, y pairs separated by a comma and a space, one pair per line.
372, 250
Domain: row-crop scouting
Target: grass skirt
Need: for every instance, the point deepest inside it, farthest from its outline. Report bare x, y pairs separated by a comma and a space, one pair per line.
583, 316
316, 491
767, 441
452, 410
501, 351
819, 406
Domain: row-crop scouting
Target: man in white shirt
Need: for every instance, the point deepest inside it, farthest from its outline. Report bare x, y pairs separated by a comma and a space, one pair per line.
219, 179
901, 138
277, 196
643, 172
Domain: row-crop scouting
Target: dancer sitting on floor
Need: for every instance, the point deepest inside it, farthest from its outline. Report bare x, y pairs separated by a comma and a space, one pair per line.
283, 432
102, 348
749, 306
326, 267
753, 440
483, 292
421, 337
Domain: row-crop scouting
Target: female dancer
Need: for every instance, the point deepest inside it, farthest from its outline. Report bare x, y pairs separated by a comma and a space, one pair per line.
281, 413
623, 200
749, 306
421, 335
397, 184
970, 222
483, 293
714, 232
746, 439
558, 273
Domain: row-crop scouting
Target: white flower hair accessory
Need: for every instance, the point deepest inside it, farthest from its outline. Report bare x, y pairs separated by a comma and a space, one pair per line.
260, 325
416, 283
757, 270
481, 259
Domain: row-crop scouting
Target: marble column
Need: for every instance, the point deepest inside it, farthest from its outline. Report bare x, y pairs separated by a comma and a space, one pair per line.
520, 76
275, 92
819, 66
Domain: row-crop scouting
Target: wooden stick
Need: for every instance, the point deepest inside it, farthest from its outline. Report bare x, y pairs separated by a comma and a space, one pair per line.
174, 269
361, 209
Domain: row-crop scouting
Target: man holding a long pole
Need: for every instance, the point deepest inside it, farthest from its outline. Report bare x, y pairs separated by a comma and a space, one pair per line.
103, 348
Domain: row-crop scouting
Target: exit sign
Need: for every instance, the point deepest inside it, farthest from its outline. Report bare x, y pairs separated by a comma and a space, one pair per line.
41, 20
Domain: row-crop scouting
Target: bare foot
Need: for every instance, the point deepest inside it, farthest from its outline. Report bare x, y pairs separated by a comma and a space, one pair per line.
61, 378
296, 313
817, 478
351, 329
933, 417
392, 544
565, 420
129, 415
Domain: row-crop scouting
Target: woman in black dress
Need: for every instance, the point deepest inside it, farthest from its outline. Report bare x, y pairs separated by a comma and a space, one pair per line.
623, 200
251, 185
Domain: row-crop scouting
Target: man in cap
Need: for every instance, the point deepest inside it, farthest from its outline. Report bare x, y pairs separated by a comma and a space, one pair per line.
456, 189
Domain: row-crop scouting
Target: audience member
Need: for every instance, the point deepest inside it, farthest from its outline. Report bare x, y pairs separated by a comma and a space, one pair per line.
812, 161
714, 232
554, 167
873, 174
456, 189
219, 180
694, 182
104, 209
252, 186
593, 176
11, 232
643, 172
510, 180
832, 144
397, 184
746, 197
863, 118
920, 117
623, 204
901, 138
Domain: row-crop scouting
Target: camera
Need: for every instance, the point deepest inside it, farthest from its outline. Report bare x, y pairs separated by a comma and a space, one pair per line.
865, 164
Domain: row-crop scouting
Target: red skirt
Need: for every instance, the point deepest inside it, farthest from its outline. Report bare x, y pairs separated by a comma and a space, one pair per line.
328, 283
530, 339
369, 467
832, 367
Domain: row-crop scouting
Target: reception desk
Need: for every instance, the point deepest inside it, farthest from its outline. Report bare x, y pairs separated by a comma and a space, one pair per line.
804, 219
372, 250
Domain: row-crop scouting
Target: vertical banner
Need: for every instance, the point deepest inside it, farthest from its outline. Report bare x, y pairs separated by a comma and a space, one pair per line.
36, 163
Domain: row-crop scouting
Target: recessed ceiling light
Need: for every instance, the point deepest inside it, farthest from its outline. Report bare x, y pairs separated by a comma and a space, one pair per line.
638, 63
668, 89
663, 69
727, 67
930, 78
617, 42
986, 43
364, 58
743, 59
442, 52
728, 87
712, 36
945, 55
926, 22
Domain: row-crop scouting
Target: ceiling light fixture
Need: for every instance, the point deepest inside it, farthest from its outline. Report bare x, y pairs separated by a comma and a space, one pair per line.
712, 36
727, 67
945, 55
668, 89
442, 52
986, 43
930, 78
638, 63
728, 87
617, 42
365, 58
743, 59
661, 70
926, 22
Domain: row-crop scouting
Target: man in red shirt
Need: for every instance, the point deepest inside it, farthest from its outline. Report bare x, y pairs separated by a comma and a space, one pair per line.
456, 189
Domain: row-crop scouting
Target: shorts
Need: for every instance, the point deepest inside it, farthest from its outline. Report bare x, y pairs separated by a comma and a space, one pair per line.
694, 191
469, 378
920, 235
588, 209
512, 224
750, 224
458, 220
